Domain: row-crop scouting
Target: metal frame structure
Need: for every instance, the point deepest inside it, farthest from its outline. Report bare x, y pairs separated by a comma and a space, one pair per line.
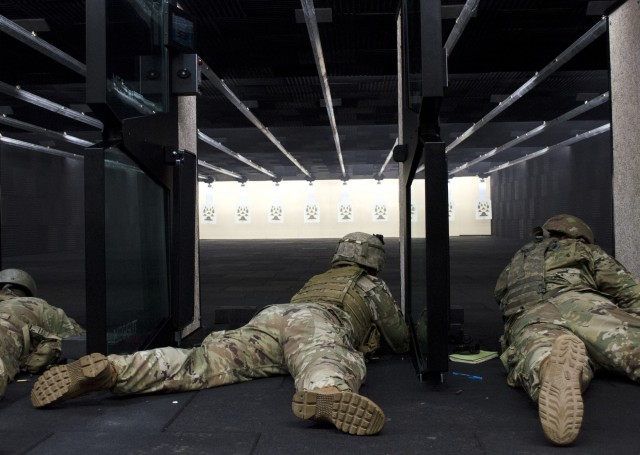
421, 133
173, 169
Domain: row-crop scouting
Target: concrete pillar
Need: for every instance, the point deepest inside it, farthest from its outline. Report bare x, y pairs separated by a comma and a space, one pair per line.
624, 44
188, 140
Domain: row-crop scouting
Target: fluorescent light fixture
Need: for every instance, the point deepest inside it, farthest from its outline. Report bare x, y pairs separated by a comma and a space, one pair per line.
30, 39
461, 23
226, 91
219, 169
314, 35
540, 76
38, 129
203, 137
38, 148
388, 158
581, 109
579, 137
44, 103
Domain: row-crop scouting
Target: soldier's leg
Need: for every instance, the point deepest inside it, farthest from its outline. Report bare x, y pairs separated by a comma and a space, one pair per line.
530, 340
227, 357
223, 358
611, 335
328, 373
560, 405
551, 364
317, 349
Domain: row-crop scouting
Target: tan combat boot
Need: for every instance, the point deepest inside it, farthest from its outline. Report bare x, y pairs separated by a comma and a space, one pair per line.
348, 411
560, 406
87, 374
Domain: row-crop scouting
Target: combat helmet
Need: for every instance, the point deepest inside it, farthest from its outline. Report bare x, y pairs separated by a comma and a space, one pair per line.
17, 277
364, 249
571, 226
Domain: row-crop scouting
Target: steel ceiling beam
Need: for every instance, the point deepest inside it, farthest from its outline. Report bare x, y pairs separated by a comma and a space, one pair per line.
31, 39
220, 170
379, 175
44, 103
314, 35
572, 140
38, 148
582, 42
203, 137
460, 25
226, 91
587, 106
19, 124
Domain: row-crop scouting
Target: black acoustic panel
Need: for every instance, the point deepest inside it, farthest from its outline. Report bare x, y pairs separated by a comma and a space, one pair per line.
574, 180
42, 202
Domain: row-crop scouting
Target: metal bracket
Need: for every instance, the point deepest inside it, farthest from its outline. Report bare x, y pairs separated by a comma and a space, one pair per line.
174, 157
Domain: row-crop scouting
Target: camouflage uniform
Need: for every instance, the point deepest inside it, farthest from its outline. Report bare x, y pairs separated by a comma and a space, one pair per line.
320, 339
30, 335
576, 288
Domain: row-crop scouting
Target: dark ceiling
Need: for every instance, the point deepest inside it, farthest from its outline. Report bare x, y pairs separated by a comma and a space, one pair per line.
262, 51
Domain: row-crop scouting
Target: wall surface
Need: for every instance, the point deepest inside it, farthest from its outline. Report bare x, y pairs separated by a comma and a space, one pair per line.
42, 203
624, 44
575, 180
326, 209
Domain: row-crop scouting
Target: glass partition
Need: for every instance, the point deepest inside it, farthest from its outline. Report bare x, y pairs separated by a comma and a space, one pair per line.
136, 260
137, 59
413, 55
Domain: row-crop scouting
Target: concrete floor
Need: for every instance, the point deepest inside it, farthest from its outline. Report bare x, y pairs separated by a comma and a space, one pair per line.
460, 415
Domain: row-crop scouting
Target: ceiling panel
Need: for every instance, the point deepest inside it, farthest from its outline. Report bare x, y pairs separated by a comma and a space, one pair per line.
263, 53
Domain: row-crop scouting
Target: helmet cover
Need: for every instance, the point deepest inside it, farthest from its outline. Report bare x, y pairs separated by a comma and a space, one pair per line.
17, 277
571, 226
364, 249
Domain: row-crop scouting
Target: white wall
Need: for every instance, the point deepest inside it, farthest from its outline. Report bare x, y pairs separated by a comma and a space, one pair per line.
229, 210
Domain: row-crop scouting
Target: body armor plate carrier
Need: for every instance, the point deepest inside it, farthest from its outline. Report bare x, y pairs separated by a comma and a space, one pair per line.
526, 285
338, 287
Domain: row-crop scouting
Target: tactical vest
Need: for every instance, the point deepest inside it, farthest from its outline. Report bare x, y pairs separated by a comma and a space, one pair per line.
525, 280
337, 286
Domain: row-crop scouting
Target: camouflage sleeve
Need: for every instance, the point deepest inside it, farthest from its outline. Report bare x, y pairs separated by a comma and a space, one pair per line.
387, 316
613, 279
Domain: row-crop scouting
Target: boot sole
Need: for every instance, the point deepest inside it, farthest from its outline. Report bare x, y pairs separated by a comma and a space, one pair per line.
347, 411
87, 374
560, 406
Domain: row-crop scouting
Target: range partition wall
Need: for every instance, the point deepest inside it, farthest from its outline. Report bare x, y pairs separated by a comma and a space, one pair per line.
140, 200
426, 278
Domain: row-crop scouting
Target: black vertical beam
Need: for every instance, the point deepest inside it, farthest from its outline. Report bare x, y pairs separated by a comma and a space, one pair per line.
437, 267
96, 52
184, 241
436, 182
96, 288
1, 267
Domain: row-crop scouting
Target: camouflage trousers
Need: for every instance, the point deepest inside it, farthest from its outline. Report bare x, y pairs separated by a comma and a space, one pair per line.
309, 341
610, 334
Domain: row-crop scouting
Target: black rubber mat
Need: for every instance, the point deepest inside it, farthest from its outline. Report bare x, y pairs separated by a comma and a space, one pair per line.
472, 411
